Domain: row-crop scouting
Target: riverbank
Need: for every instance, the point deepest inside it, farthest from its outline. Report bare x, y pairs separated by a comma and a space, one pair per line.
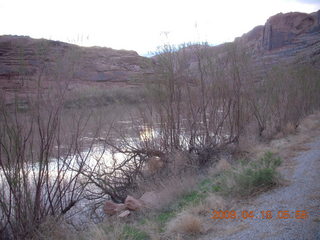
191, 199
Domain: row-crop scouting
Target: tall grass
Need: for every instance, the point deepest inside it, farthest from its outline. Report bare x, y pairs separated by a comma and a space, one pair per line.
250, 177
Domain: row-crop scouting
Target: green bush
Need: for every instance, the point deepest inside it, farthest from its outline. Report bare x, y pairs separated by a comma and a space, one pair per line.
249, 178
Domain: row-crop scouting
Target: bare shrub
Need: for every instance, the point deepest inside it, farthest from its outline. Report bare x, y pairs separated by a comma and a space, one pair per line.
41, 164
153, 164
197, 106
42, 157
281, 100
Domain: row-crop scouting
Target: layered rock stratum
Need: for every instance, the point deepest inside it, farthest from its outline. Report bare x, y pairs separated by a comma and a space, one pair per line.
285, 37
25, 58
291, 37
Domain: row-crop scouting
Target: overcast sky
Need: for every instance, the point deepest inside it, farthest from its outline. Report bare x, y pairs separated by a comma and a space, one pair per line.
141, 25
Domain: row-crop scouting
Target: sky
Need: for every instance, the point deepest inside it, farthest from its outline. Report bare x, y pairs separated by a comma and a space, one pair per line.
141, 25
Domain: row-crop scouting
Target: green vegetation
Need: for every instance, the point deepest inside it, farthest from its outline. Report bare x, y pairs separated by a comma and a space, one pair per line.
132, 233
248, 178
190, 198
165, 216
244, 179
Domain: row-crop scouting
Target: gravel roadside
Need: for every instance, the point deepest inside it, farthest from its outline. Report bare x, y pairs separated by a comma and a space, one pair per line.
302, 193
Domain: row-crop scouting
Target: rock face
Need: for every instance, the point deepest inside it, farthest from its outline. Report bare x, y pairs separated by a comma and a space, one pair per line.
290, 37
284, 37
124, 214
29, 58
150, 199
132, 203
281, 29
112, 208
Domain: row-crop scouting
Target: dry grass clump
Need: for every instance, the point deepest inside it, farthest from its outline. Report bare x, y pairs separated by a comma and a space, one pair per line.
167, 190
289, 128
54, 229
290, 144
175, 187
185, 223
222, 165
206, 206
193, 220
116, 229
99, 232
286, 143
310, 122
152, 229
248, 178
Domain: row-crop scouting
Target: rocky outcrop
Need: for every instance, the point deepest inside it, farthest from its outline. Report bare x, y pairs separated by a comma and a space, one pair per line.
147, 200
124, 214
285, 37
150, 199
132, 203
112, 208
291, 37
29, 58
282, 29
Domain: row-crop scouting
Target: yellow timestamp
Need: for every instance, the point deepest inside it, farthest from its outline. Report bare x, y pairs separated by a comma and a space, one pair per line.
267, 214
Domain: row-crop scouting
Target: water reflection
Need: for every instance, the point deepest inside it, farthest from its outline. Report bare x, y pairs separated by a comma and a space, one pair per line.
147, 134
